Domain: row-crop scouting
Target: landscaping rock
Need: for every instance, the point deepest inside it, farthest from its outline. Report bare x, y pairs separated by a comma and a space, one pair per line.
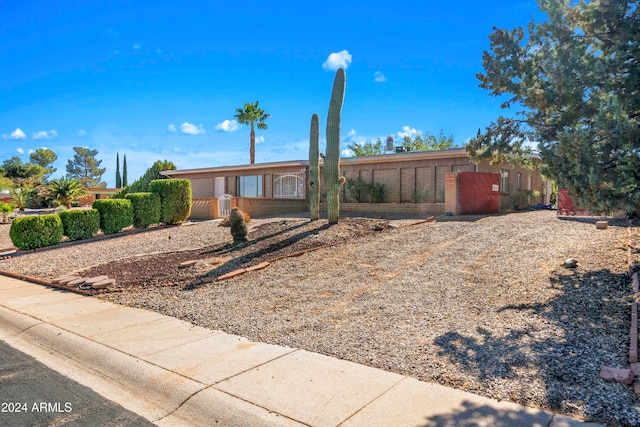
623, 376
103, 284
602, 225
189, 263
76, 282
570, 263
95, 279
66, 280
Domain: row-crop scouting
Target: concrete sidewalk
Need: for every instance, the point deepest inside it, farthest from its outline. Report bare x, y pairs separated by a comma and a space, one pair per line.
174, 373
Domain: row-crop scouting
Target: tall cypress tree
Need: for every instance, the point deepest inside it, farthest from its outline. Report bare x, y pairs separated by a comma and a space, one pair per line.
118, 177
124, 172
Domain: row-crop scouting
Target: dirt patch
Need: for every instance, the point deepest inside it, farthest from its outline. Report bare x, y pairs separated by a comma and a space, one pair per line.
267, 242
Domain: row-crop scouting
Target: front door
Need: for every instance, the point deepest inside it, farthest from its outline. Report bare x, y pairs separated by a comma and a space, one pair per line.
219, 187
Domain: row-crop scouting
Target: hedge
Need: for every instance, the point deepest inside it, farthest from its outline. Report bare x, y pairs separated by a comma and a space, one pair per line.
31, 232
80, 224
175, 199
146, 208
115, 214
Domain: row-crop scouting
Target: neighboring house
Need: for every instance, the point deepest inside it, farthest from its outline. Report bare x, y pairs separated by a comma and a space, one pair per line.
96, 193
414, 182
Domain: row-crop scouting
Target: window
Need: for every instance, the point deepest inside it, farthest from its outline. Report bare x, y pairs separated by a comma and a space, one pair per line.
288, 185
529, 182
250, 186
504, 181
519, 181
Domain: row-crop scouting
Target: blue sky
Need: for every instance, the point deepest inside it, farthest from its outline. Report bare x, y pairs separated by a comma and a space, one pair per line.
161, 79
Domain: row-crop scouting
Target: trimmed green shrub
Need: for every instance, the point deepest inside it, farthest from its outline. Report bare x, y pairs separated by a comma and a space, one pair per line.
146, 208
80, 224
31, 232
115, 214
175, 199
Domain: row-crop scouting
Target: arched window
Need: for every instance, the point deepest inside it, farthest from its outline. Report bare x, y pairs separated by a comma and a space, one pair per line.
288, 185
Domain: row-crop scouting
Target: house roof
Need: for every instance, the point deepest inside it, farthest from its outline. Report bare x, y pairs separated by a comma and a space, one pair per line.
383, 158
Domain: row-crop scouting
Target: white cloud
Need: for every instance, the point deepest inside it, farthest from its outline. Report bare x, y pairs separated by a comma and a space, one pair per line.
227, 126
337, 60
378, 77
171, 128
191, 129
44, 134
259, 139
346, 153
20, 150
82, 133
408, 131
31, 151
15, 135
352, 133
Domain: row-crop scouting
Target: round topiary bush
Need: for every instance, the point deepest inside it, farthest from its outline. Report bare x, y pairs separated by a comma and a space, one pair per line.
115, 214
175, 199
146, 208
31, 232
80, 224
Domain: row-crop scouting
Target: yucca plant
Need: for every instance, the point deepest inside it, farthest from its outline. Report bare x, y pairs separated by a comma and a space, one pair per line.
64, 190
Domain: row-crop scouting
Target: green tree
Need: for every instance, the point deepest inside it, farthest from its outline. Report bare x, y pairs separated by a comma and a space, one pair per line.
141, 185
86, 168
118, 177
251, 114
428, 142
366, 149
5, 183
21, 174
125, 180
573, 81
45, 158
64, 190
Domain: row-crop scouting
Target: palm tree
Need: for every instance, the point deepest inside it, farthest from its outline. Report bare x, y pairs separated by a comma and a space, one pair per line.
64, 190
252, 115
21, 197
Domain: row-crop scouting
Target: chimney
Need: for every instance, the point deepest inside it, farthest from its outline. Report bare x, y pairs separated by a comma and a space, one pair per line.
390, 146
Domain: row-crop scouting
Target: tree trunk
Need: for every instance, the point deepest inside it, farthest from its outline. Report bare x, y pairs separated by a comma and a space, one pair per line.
252, 148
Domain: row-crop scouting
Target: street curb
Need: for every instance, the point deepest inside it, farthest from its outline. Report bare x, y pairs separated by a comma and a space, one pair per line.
168, 398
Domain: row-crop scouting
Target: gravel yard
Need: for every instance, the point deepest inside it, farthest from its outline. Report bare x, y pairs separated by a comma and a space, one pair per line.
479, 304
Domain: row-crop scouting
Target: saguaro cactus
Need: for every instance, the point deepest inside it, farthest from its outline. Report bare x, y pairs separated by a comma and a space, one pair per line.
314, 170
332, 177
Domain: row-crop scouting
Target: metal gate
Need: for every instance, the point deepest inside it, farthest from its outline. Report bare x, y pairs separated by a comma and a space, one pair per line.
224, 205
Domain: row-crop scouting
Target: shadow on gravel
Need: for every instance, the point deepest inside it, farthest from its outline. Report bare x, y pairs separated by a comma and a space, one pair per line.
472, 415
588, 328
613, 222
246, 259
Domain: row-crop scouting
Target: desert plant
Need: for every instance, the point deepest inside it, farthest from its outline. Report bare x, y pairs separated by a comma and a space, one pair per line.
419, 196
333, 180
146, 209
377, 192
115, 214
175, 199
359, 189
238, 225
524, 199
21, 197
314, 170
5, 210
80, 224
64, 190
31, 232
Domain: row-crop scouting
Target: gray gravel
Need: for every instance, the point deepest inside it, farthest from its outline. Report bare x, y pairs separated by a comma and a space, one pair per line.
483, 305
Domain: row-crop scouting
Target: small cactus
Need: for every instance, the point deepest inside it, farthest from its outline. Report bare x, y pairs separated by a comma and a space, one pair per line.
238, 225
